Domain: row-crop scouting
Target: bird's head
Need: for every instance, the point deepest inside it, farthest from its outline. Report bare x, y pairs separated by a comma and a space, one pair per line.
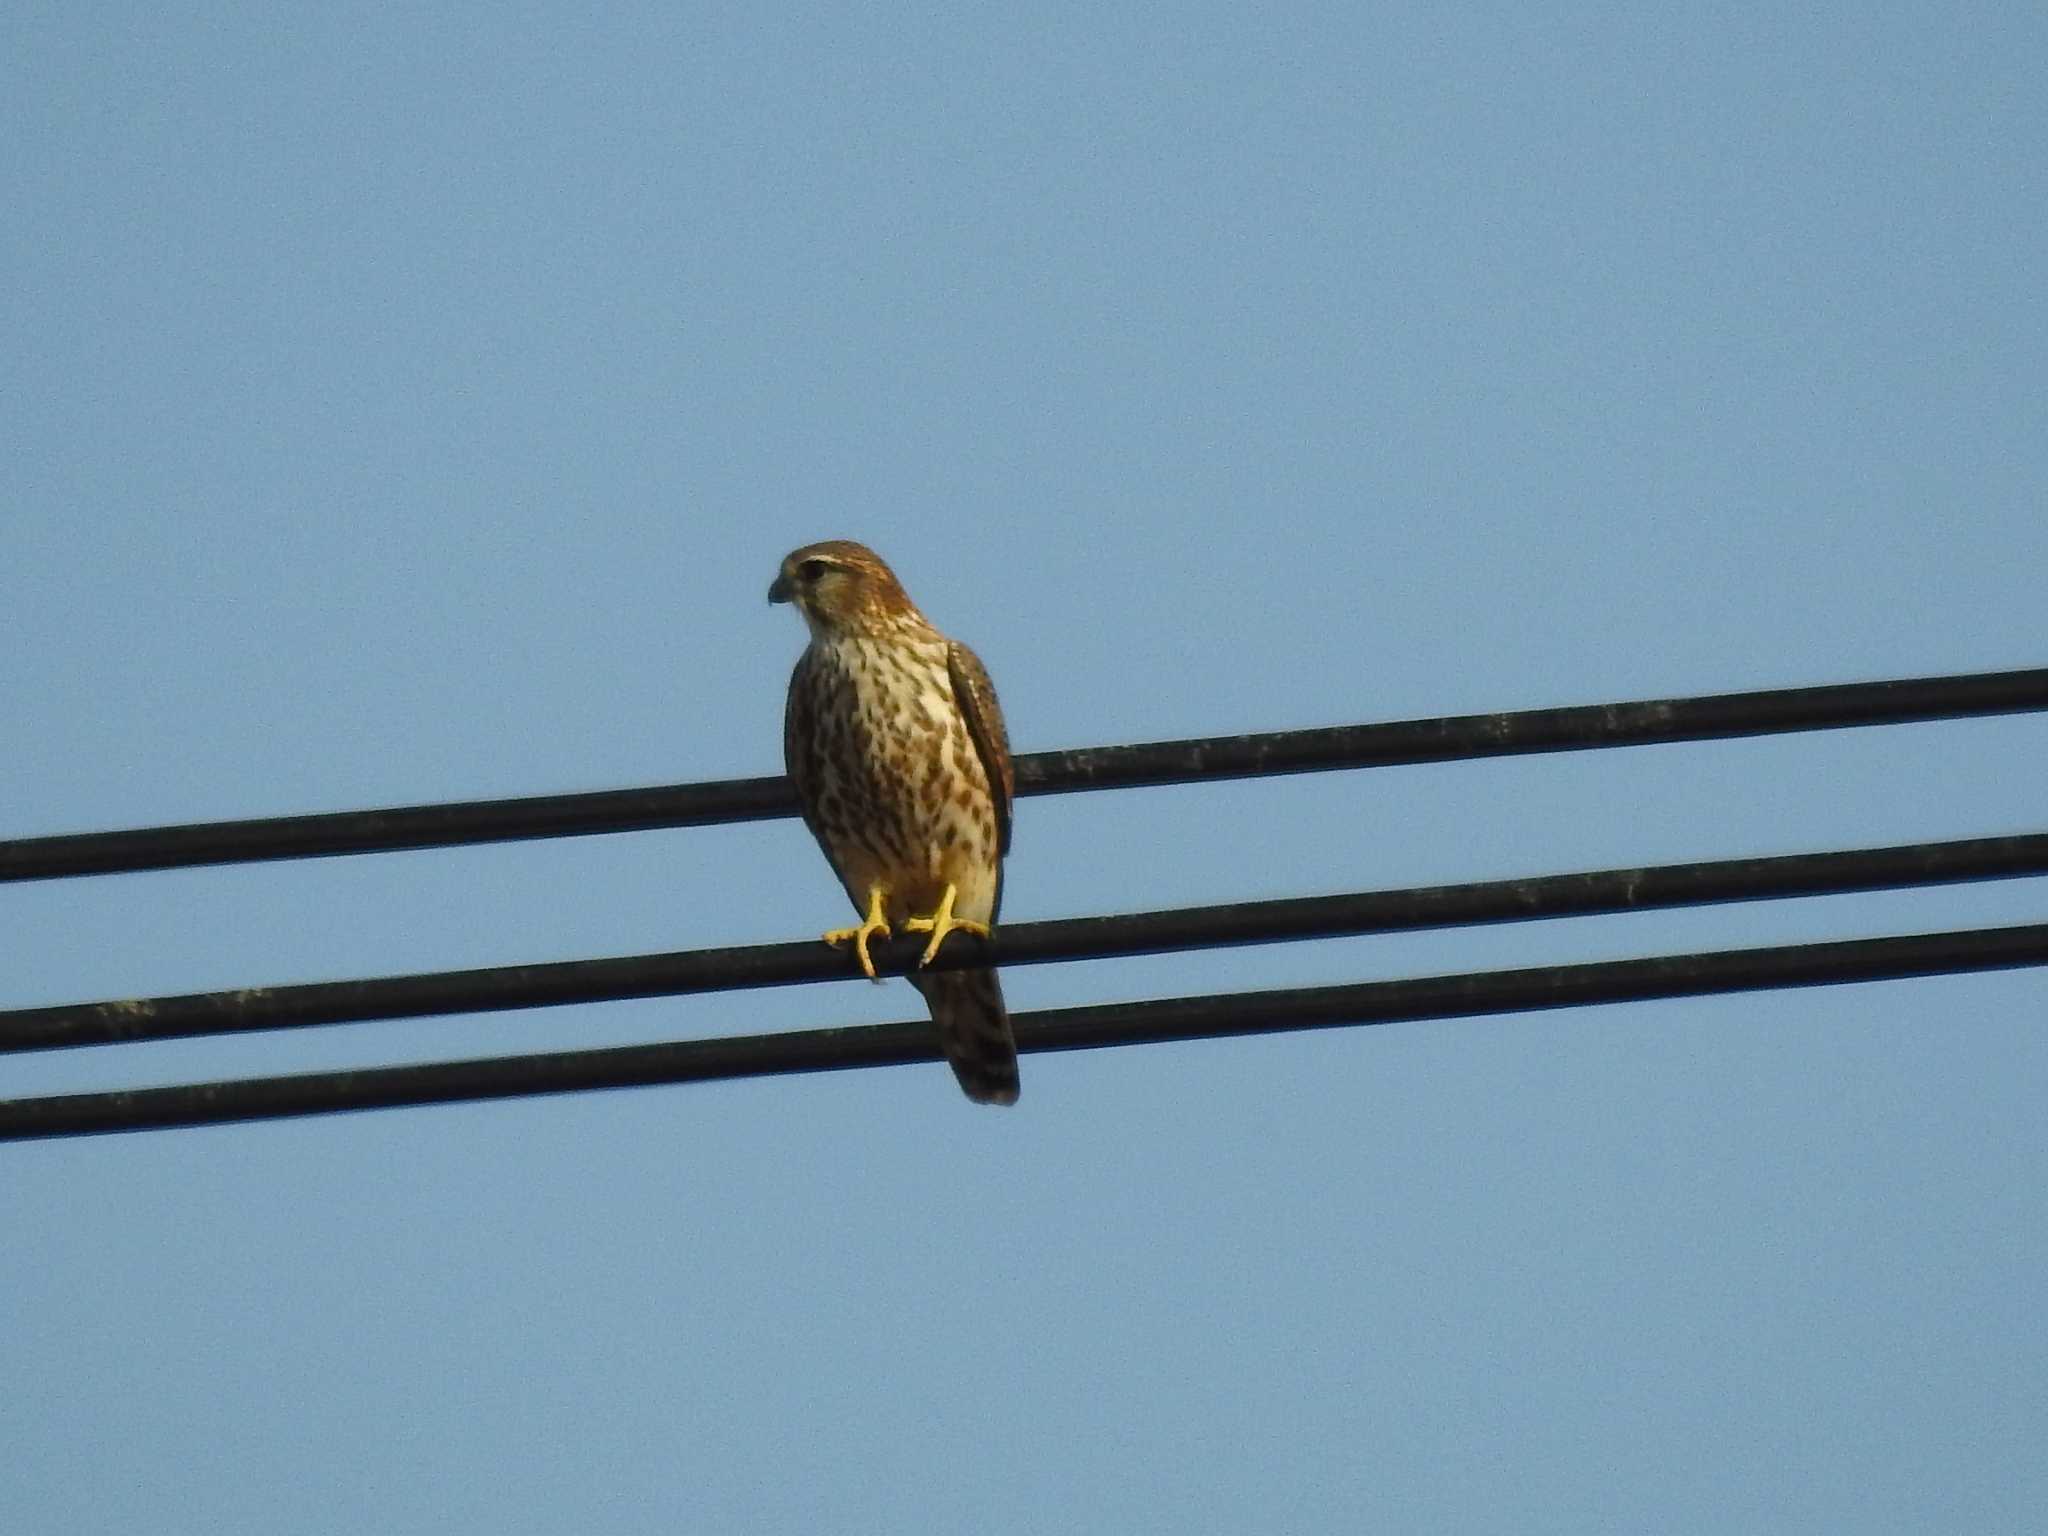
840, 587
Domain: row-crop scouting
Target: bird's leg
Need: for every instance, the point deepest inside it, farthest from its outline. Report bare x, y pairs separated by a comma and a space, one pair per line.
941, 923
873, 923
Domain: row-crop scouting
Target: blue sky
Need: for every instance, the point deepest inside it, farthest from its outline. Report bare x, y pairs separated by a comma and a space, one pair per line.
405, 405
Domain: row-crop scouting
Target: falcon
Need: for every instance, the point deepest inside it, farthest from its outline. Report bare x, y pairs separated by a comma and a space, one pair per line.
896, 745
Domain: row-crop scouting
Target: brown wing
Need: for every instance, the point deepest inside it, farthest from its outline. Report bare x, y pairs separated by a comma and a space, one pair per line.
803, 752
976, 696
800, 734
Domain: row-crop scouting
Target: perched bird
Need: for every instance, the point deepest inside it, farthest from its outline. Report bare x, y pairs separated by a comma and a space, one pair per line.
902, 766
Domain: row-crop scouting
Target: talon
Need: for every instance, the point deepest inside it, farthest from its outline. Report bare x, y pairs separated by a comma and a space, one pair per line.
941, 923
873, 923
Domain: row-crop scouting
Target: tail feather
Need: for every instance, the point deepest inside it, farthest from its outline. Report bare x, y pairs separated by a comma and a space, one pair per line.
974, 1029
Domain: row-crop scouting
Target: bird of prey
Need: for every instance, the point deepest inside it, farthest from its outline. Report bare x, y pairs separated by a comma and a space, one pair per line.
896, 745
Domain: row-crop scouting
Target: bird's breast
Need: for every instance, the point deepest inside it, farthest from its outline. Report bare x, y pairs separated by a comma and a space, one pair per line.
898, 778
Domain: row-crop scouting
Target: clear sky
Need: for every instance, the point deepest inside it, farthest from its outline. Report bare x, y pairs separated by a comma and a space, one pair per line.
403, 404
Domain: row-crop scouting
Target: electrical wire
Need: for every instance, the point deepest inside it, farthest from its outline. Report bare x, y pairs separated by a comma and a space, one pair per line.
1583, 894
1154, 1022
1452, 738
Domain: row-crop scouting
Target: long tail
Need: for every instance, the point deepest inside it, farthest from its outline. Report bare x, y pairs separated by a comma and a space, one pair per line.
974, 1028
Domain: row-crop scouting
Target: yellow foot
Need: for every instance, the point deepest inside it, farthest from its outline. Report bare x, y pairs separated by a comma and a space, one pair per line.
872, 924
941, 923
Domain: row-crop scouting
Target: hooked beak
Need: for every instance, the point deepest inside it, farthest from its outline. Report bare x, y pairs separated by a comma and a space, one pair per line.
779, 591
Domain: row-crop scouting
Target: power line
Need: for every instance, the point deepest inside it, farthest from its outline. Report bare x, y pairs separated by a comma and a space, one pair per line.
1066, 1029
1314, 917
1457, 737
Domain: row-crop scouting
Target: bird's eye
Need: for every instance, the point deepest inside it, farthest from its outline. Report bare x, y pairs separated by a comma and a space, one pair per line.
811, 570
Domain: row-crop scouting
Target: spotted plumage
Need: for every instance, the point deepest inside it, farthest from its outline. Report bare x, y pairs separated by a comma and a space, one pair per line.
897, 749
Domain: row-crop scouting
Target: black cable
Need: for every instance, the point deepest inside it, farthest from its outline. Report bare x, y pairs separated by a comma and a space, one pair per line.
1063, 1029
765, 965
1457, 737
